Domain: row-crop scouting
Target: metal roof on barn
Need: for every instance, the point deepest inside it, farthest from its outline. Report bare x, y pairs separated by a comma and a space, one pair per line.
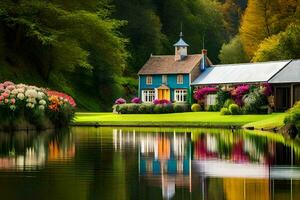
167, 64
240, 73
290, 74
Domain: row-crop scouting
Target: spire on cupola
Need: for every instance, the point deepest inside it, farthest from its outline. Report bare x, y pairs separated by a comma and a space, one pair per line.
180, 48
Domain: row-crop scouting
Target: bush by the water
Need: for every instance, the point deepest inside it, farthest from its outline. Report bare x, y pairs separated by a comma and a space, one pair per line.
225, 111
293, 116
196, 107
234, 109
228, 102
149, 108
38, 107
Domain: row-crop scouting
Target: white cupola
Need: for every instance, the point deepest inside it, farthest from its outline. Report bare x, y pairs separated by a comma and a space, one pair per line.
180, 49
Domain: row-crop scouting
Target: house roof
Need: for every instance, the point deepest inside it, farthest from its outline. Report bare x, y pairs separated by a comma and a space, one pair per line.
289, 74
240, 73
167, 65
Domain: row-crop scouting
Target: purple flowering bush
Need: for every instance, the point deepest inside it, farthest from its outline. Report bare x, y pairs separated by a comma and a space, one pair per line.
136, 100
238, 94
162, 101
200, 94
120, 101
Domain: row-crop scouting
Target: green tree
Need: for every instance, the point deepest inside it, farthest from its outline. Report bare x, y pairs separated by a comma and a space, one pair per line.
285, 45
233, 52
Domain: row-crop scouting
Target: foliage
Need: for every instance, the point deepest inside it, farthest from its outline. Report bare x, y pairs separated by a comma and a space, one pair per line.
254, 102
264, 18
233, 52
285, 45
136, 100
221, 98
228, 102
196, 107
54, 38
238, 93
293, 116
234, 109
161, 101
225, 111
201, 93
120, 101
35, 104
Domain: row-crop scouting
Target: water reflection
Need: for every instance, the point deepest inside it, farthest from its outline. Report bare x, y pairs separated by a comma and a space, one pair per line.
148, 163
232, 165
30, 150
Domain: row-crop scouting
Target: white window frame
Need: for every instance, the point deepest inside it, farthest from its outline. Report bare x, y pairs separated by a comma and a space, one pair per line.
148, 80
180, 79
164, 79
148, 96
180, 95
211, 99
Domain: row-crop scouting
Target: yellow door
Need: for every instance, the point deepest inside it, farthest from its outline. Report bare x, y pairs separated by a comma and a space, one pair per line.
164, 94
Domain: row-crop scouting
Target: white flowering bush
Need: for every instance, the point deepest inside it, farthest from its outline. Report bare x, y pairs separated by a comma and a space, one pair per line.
34, 104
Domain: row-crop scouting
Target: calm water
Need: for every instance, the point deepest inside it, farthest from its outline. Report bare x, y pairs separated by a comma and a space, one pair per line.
136, 163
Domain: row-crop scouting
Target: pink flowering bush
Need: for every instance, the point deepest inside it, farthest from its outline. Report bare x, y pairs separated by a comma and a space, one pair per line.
200, 94
162, 101
266, 89
136, 100
238, 93
120, 101
34, 104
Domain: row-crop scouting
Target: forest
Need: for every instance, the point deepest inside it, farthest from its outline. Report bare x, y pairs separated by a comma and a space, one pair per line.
93, 49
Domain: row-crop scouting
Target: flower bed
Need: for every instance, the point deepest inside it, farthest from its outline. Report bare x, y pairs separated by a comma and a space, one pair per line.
243, 99
29, 107
156, 107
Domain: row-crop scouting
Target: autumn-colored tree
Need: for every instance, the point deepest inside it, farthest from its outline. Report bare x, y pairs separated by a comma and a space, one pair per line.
264, 18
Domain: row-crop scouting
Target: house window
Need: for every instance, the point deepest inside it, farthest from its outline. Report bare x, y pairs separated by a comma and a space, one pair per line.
164, 79
179, 79
180, 95
149, 80
211, 99
148, 96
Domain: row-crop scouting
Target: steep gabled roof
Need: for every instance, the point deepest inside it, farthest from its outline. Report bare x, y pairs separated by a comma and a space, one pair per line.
289, 74
240, 73
166, 64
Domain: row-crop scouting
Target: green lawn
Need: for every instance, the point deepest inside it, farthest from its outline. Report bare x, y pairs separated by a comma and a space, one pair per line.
204, 119
275, 121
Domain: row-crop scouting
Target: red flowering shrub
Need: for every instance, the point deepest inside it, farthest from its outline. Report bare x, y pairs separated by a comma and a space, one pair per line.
201, 93
136, 100
239, 92
162, 101
120, 101
267, 89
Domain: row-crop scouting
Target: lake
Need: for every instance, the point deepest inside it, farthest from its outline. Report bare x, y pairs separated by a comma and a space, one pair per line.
148, 163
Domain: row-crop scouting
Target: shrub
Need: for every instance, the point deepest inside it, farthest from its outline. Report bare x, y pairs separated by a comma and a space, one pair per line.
146, 108
132, 108
168, 108
211, 108
221, 98
123, 109
254, 101
201, 93
120, 101
239, 92
234, 109
228, 102
136, 100
196, 107
225, 111
181, 107
158, 109
162, 101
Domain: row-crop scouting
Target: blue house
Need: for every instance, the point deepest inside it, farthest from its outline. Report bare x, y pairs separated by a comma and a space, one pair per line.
170, 76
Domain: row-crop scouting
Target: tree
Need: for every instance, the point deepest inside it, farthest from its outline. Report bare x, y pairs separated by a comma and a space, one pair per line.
233, 52
285, 45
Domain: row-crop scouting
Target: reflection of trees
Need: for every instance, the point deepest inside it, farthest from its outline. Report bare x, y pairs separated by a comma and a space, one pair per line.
29, 150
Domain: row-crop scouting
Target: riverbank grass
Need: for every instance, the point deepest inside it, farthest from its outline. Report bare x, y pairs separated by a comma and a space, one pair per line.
270, 123
201, 119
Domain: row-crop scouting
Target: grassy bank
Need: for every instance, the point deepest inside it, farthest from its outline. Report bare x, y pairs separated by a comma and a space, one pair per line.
200, 119
275, 121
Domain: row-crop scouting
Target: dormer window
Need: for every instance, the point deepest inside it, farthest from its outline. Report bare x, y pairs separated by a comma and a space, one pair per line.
149, 80
179, 79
